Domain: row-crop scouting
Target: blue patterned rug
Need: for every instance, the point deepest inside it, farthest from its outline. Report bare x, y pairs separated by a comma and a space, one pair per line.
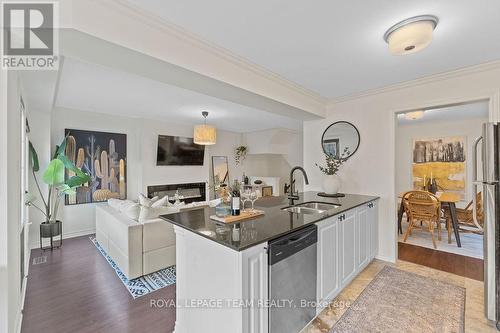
142, 285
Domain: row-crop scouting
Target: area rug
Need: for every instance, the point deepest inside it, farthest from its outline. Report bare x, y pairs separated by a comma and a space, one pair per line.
142, 285
399, 301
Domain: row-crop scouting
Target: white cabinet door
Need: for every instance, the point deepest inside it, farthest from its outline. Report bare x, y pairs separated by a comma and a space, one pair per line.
362, 237
373, 223
347, 222
328, 253
255, 289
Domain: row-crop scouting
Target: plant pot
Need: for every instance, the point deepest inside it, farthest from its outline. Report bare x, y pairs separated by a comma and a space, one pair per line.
331, 184
50, 229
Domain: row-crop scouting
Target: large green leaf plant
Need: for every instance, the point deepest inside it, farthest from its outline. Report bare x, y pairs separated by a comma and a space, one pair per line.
54, 177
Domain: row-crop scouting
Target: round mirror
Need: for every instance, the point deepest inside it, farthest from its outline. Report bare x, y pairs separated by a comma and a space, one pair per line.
340, 140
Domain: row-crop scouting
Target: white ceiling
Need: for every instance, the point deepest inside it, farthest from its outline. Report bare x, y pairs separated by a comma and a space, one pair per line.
335, 47
456, 112
96, 88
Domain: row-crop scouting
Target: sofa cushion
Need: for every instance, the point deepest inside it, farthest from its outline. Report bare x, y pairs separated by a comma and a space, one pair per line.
115, 203
157, 259
119, 205
156, 234
123, 237
133, 211
148, 213
124, 204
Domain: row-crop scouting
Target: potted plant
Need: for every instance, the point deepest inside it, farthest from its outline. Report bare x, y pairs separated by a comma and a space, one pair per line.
58, 185
331, 185
240, 154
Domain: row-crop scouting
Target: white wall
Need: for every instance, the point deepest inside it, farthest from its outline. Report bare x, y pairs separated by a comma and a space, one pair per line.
39, 135
372, 169
405, 134
272, 153
266, 165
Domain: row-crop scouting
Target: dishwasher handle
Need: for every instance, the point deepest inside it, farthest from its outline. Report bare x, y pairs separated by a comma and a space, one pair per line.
294, 239
288, 245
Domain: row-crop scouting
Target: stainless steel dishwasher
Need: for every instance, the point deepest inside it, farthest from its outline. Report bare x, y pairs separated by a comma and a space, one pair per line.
292, 280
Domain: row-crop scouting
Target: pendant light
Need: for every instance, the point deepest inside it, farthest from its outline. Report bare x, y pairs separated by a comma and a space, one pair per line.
205, 134
411, 35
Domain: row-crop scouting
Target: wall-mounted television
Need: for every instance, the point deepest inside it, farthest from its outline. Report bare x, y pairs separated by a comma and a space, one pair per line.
176, 150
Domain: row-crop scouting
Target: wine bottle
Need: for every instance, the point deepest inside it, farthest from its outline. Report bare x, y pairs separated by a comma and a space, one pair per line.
236, 236
235, 203
432, 187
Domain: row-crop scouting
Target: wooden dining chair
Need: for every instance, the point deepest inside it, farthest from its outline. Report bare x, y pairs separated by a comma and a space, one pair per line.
465, 217
424, 212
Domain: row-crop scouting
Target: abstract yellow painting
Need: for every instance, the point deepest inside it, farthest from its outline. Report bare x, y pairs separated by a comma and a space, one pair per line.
443, 159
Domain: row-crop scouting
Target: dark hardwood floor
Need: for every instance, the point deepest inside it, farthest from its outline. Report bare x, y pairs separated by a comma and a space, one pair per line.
449, 262
76, 290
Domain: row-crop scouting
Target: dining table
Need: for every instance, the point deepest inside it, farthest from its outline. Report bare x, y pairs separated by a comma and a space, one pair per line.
446, 198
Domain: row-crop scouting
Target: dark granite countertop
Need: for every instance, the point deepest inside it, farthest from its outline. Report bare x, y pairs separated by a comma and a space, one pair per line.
274, 223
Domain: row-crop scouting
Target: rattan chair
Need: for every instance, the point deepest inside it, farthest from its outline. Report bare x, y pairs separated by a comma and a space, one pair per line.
465, 217
423, 207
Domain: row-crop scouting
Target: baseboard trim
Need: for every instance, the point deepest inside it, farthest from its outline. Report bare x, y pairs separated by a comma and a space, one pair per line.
35, 244
384, 258
23, 297
19, 321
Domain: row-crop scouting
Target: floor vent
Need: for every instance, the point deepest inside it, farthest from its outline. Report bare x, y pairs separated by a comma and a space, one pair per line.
39, 260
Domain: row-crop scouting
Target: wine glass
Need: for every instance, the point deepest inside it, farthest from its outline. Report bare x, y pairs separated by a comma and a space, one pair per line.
245, 197
253, 197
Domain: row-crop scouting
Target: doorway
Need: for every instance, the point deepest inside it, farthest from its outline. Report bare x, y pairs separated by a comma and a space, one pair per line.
435, 154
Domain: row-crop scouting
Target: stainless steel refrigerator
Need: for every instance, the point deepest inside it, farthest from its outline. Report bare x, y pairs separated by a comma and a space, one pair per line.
487, 181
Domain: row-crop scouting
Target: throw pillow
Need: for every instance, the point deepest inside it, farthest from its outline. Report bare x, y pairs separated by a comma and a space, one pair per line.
163, 202
145, 201
132, 211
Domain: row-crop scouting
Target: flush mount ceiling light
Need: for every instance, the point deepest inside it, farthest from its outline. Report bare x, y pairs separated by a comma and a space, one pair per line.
205, 134
411, 35
414, 115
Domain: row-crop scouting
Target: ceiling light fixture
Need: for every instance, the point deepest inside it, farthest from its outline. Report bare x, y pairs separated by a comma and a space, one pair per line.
411, 35
414, 115
205, 134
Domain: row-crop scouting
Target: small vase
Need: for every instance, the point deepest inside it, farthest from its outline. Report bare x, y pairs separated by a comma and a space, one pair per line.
331, 184
223, 209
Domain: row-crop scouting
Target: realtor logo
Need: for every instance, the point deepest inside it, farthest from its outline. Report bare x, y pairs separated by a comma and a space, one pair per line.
29, 38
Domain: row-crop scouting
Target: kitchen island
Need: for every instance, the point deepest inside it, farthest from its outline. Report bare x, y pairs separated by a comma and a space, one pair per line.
222, 269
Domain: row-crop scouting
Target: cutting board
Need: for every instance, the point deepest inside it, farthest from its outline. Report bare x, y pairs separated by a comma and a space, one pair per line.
245, 215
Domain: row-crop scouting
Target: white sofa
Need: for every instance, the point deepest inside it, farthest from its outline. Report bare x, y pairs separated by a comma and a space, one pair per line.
138, 248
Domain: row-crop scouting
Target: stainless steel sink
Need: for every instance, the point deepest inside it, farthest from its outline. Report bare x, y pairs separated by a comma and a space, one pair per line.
318, 205
303, 210
313, 207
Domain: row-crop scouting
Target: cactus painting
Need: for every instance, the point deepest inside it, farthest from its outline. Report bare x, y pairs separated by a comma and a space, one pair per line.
103, 156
